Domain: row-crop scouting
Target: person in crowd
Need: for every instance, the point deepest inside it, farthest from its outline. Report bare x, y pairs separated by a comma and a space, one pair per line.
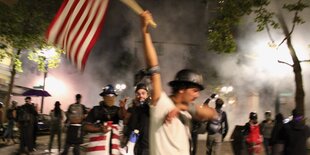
1, 118
169, 117
138, 118
198, 126
253, 137
26, 115
11, 116
295, 134
266, 127
103, 121
75, 116
57, 116
217, 129
35, 127
277, 144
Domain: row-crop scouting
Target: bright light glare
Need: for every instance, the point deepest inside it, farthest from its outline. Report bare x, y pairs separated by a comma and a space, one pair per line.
120, 87
231, 101
227, 89
48, 52
266, 57
54, 86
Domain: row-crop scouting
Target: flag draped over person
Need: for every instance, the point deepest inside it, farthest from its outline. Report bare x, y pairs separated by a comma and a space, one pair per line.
76, 27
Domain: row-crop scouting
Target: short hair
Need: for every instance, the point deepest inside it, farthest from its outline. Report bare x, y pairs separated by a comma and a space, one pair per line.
141, 86
296, 113
28, 98
78, 96
267, 113
219, 103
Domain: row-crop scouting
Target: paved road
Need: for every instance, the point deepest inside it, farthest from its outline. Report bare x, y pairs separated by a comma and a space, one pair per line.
42, 142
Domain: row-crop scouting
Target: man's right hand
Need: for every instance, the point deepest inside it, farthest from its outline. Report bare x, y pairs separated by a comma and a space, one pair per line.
146, 18
105, 128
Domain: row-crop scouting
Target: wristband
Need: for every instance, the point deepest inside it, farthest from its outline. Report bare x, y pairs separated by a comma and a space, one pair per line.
152, 70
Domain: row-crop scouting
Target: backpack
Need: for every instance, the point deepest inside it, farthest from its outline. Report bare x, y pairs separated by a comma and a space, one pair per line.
215, 125
23, 115
76, 113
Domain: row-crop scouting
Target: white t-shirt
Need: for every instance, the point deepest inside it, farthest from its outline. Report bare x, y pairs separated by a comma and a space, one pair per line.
168, 138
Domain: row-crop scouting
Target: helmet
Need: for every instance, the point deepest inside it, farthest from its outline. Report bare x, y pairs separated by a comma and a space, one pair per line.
141, 86
253, 116
187, 76
108, 90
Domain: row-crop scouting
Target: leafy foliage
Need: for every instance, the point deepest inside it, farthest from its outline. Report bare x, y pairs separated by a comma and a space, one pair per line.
221, 36
22, 27
43, 61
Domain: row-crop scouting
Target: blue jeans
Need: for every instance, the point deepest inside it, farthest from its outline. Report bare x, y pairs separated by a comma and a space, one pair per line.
9, 130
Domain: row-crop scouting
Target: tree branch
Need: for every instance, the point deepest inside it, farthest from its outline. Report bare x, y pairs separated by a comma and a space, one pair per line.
293, 27
304, 61
269, 33
279, 61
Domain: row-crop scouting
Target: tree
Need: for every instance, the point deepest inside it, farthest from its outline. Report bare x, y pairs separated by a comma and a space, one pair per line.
22, 28
221, 36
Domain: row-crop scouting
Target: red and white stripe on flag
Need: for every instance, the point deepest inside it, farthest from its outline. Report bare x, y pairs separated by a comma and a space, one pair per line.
104, 144
76, 27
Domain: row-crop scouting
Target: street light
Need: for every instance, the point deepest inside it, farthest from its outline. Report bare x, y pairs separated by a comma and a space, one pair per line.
120, 87
46, 53
226, 90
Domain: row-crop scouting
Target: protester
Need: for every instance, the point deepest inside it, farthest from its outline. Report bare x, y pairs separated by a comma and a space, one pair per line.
295, 134
138, 119
35, 127
102, 124
198, 126
75, 116
170, 135
217, 129
266, 127
253, 137
1, 118
11, 116
277, 144
57, 116
26, 115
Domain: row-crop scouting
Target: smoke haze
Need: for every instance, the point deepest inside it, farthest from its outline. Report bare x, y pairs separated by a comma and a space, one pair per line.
180, 43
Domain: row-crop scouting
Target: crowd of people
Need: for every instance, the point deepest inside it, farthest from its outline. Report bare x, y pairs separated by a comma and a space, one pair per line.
276, 137
163, 122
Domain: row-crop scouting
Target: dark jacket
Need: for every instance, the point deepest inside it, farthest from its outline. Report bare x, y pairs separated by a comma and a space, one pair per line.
295, 135
219, 125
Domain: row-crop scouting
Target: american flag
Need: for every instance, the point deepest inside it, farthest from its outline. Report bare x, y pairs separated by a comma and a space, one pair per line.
76, 27
104, 144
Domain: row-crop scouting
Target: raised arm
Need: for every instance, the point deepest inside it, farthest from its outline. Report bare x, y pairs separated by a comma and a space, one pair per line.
151, 57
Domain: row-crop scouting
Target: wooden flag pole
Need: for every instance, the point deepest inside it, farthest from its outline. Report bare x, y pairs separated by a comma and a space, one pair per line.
137, 9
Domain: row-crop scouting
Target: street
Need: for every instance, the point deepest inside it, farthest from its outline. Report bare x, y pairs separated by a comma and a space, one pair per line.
42, 146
